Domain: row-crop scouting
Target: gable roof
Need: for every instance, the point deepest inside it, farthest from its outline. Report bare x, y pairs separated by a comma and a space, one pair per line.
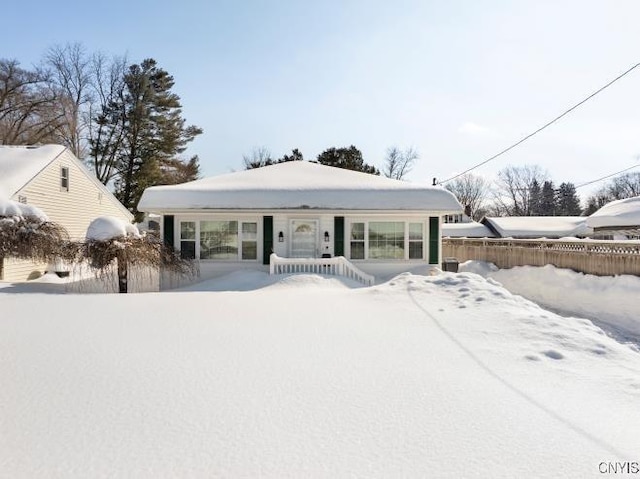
20, 164
299, 184
537, 226
617, 214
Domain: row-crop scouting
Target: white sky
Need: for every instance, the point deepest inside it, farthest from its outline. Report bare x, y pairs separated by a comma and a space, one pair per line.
458, 80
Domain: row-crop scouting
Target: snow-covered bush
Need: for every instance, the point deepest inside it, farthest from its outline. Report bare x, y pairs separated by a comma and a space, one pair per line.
27, 233
112, 241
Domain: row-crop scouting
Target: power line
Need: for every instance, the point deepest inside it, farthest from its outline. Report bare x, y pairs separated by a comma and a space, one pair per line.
605, 177
542, 127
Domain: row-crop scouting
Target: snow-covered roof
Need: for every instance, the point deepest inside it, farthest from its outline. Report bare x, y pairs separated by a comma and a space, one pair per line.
538, 226
299, 184
467, 230
619, 213
20, 164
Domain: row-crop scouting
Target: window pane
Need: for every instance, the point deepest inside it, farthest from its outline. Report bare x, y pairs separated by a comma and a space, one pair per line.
188, 249
249, 250
386, 240
415, 231
357, 231
188, 230
219, 240
249, 229
357, 250
415, 250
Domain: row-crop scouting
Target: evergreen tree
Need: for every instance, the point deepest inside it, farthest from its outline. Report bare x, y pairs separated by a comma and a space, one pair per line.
568, 201
347, 158
535, 199
154, 132
294, 156
548, 199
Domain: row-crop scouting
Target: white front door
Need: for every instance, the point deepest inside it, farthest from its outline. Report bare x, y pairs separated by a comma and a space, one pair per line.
304, 238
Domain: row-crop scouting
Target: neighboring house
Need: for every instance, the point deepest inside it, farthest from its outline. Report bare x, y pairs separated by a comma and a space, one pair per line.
471, 229
53, 179
300, 209
618, 219
524, 227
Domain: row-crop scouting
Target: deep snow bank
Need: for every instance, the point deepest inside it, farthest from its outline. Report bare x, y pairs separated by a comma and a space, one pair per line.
613, 300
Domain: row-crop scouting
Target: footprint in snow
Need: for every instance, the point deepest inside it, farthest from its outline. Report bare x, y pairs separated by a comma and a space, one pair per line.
480, 298
532, 357
553, 354
463, 290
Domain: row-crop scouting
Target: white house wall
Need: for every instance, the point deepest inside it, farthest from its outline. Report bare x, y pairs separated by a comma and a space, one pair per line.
282, 223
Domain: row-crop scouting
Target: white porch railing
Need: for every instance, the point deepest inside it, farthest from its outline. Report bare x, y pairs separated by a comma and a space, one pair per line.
336, 266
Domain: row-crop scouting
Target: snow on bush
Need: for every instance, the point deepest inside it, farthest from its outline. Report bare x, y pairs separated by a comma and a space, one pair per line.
27, 233
105, 228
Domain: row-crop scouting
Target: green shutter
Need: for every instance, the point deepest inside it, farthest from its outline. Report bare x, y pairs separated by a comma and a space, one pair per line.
434, 239
267, 238
338, 236
169, 230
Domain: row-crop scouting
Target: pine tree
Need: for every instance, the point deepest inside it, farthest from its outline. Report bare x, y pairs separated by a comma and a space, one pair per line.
568, 201
294, 156
535, 199
347, 158
548, 199
154, 131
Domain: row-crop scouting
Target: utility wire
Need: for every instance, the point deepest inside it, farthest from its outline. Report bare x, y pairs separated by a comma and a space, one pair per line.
542, 127
605, 177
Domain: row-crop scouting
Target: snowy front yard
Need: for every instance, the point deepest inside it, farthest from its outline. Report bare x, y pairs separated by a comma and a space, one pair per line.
424, 376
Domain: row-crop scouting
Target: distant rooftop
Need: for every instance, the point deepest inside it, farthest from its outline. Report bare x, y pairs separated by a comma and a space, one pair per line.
620, 213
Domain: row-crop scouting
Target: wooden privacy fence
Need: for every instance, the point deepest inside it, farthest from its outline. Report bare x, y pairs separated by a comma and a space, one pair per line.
603, 258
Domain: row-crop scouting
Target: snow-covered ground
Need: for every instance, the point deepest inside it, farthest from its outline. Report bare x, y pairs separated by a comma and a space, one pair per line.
610, 301
424, 376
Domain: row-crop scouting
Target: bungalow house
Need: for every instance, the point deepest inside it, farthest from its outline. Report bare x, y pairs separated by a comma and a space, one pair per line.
53, 179
300, 209
617, 219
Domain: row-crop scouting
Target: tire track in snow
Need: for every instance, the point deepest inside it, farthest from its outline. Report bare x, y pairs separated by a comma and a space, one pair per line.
538, 405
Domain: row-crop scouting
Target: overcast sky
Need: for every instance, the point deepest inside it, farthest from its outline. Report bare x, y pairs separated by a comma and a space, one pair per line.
458, 80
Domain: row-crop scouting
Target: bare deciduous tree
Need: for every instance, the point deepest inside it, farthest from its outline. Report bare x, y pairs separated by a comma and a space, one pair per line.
106, 116
26, 106
259, 157
513, 195
70, 78
399, 162
472, 192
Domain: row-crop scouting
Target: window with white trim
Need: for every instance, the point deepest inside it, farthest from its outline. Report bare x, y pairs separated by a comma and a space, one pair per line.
219, 240
386, 240
249, 243
416, 241
188, 239
64, 178
357, 241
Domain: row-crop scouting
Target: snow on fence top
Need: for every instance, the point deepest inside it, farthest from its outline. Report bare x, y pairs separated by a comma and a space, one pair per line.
19, 164
299, 184
618, 213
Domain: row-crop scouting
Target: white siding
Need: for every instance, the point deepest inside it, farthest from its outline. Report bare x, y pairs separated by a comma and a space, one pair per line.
74, 209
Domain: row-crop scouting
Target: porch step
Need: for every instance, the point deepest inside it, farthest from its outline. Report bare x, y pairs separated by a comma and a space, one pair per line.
336, 266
